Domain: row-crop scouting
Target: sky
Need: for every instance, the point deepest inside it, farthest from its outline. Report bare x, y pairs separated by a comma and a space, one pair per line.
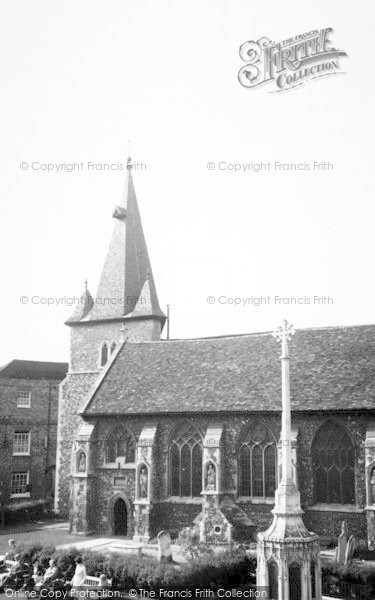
82, 78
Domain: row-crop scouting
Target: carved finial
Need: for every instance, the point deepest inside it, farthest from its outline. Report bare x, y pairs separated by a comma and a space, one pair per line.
284, 332
86, 284
129, 163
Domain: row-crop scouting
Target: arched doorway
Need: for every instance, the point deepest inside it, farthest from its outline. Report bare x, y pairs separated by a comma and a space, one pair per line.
120, 517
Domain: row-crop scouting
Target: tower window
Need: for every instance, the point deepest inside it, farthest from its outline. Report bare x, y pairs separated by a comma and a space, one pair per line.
103, 354
113, 347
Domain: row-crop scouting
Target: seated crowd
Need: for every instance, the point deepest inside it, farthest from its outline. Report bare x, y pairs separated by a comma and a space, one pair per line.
17, 572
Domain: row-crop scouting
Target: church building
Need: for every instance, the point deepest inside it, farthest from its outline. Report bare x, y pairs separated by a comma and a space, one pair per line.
160, 434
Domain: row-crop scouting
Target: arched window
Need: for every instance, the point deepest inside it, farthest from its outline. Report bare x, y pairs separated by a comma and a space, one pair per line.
120, 443
257, 463
333, 465
273, 583
295, 586
372, 486
113, 347
185, 462
103, 354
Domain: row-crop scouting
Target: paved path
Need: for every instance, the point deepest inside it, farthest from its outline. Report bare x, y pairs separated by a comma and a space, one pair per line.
56, 533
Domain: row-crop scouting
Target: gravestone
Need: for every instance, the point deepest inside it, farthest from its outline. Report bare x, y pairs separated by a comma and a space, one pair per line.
341, 544
164, 546
351, 547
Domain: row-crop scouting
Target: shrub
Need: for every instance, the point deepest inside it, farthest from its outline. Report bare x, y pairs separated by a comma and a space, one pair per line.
188, 540
225, 569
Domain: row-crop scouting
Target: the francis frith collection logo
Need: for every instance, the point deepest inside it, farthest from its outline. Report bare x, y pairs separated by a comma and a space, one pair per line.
290, 63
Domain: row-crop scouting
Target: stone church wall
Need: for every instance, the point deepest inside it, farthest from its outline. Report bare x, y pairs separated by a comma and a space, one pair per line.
173, 514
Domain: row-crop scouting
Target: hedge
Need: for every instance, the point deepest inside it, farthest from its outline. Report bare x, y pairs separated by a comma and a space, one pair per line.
227, 570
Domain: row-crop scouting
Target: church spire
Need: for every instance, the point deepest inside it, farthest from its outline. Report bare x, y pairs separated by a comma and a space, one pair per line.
127, 273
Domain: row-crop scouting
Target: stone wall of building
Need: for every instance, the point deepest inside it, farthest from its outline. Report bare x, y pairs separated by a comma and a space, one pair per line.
173, 514
41, 421
87, 339
73, 394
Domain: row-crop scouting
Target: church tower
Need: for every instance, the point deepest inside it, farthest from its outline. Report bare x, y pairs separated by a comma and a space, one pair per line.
126, 299
126, 306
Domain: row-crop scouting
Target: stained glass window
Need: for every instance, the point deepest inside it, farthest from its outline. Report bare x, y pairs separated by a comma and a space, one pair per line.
257, 463
120, 443
185, 462
333, 465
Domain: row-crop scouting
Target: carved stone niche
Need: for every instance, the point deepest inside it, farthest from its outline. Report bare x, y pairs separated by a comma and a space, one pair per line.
81, 458
212, 459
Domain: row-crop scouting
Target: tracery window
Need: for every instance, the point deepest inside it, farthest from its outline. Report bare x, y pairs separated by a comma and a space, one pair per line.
257, 463
120, 444
333, 465
185, 462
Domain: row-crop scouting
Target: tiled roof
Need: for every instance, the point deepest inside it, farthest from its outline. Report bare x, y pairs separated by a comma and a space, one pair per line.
34, 369
331, 369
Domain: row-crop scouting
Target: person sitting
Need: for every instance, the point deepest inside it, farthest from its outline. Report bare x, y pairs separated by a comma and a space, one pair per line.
20, 574
79, 574
38, 576
49, 576
9, 555
104, 582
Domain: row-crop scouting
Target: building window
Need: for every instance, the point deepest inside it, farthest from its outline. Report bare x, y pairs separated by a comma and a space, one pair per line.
21, 442
113, 347
185, 462
23, 399
333, 465
19, 485
120, 444
103, 354
257, 463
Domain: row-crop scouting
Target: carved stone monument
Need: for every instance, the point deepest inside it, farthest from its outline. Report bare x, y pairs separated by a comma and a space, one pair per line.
288, 554
341, 544
164, 546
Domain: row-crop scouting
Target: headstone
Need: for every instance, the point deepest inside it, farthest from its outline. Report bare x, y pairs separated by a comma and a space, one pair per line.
164, 546
351, 547
341, 544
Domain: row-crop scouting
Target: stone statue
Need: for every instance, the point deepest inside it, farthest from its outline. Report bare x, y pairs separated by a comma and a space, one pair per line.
143, 483
211, 478
82, 463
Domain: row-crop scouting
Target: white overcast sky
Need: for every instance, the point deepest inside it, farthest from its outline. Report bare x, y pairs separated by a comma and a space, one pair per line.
81, 78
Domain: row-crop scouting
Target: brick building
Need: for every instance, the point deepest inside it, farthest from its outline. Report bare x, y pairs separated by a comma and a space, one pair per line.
28, 428
157, 434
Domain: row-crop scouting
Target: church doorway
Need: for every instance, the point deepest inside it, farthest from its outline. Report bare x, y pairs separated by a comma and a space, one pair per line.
120, 517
